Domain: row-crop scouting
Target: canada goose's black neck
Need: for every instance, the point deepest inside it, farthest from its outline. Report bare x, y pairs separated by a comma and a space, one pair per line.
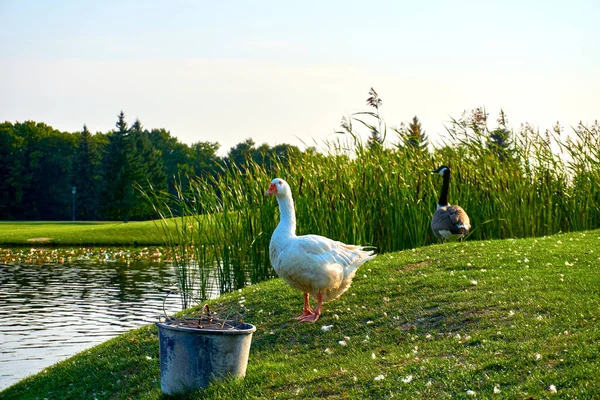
444, 195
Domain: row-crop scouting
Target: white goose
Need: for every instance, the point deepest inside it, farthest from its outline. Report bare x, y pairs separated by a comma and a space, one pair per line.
449, 222
318, 266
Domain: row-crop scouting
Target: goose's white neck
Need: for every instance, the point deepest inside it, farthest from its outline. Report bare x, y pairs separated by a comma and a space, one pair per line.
287, 217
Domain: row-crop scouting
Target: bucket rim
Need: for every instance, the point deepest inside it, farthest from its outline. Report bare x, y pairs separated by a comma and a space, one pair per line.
243, 329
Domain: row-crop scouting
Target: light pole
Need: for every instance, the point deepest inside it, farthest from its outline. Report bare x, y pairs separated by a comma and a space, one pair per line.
73, 191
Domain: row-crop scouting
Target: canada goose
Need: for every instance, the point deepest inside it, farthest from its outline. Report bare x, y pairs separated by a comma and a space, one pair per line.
449, 222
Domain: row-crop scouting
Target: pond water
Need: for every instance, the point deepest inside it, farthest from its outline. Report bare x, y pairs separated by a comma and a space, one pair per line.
51, 311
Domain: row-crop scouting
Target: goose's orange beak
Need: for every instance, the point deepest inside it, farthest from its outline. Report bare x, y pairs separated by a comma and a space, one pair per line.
272, 189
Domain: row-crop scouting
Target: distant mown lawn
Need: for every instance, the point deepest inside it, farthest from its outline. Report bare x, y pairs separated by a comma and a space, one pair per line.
79, 233
491, 319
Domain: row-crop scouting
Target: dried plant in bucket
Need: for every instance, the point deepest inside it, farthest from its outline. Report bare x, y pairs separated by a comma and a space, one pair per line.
216, 320
194, 351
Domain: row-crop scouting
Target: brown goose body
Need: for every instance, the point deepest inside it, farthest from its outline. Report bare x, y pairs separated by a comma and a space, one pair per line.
449, 222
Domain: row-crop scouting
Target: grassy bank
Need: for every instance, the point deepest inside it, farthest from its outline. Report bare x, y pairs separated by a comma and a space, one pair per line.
79, 233
514, 318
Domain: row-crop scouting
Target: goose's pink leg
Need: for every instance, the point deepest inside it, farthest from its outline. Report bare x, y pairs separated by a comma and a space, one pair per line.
313, 316
307, 310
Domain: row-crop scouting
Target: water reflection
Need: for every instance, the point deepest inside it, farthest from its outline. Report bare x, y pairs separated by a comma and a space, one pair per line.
50, 312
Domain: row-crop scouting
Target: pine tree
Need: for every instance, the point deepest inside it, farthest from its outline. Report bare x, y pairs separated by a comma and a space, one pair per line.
86, 177
118, 197
147, 168
500, 139
415, 135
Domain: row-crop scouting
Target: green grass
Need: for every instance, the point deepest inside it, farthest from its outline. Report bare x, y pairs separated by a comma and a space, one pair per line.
80, 233
434, 322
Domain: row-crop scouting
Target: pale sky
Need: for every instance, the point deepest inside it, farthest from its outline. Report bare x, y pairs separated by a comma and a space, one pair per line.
287, 72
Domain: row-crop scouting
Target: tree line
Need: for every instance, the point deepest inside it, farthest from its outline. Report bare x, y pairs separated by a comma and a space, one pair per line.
47, 174
52, 175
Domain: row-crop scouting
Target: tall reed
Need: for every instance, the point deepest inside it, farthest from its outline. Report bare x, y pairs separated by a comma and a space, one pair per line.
384, 196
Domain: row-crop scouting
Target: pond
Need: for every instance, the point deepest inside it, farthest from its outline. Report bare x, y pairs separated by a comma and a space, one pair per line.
54, 309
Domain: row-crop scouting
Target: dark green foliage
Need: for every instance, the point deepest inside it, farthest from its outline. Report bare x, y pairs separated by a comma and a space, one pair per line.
10, 170
40, 165
500, 143
175, 156
147, 169
205, 159
242, 153
118, 171
246, 152
500, 139
39, 173
86, 176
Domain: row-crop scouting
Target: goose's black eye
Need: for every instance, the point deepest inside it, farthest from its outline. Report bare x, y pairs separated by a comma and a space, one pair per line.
281, 183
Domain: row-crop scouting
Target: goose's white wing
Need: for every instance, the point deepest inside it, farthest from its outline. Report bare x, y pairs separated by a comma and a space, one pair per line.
315, 263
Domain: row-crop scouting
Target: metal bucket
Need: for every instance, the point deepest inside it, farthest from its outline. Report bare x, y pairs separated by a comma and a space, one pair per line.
191, 357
